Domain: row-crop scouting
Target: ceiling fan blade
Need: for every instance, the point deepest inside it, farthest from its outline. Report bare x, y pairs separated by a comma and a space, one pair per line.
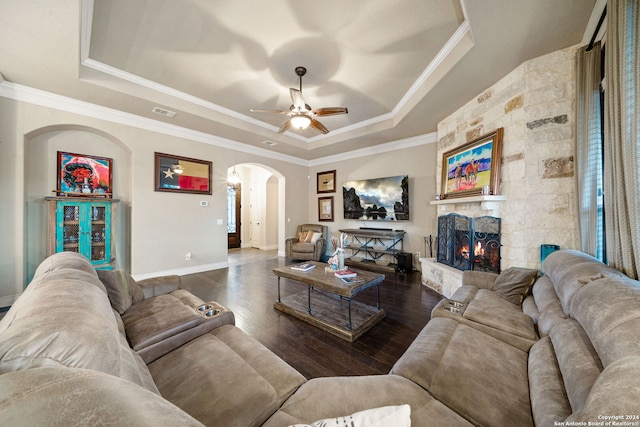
298, 100
330, 111
259, 110
285, 127
318, 126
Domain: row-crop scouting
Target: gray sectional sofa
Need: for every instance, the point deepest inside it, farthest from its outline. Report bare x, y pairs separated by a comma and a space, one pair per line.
78, 349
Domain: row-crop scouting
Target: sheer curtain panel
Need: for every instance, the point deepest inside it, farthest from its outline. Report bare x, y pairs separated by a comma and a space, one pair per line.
622, 130
589, 150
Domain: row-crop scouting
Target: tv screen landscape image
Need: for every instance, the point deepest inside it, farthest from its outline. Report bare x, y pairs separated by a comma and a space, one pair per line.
378, 199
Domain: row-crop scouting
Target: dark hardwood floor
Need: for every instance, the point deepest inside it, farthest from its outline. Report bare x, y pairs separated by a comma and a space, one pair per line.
250, 289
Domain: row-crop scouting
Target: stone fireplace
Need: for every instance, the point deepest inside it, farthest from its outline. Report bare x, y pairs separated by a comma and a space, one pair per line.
469, 243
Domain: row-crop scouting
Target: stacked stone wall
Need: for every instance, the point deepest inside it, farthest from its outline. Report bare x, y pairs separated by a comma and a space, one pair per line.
535, 104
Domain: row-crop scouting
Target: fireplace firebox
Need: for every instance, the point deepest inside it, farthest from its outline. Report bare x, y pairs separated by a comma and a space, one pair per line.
469, 243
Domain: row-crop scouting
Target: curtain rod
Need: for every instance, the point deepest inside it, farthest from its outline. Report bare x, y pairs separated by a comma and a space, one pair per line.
595, 33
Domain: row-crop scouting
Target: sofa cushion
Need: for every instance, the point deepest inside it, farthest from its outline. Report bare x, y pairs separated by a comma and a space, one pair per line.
513, 284
64, 318
488, 312
334, 396
549, 401
121, 288
569, 270
608, 311
80, 397
440, 361
548, 306
615, 395
157, 325
577, 359
225, 378
398, 416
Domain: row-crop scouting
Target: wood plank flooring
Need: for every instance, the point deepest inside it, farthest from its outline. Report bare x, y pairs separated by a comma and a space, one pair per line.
250, 290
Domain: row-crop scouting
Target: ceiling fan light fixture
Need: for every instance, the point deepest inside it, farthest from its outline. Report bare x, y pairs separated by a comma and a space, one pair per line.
300, 121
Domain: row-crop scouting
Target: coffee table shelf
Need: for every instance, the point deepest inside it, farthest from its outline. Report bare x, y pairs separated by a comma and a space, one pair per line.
327, 303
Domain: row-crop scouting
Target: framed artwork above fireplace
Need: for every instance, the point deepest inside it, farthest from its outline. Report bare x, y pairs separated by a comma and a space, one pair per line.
473, 168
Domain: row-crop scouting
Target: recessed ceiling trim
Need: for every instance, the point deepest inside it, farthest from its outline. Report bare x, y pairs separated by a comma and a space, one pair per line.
414, 141
58, 102
393, 117
86, 23
437, 61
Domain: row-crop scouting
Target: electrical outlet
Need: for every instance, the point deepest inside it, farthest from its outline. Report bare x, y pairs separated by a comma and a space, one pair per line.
188, 256
418, 256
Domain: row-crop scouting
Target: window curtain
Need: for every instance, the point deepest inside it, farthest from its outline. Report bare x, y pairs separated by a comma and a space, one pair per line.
589, 150
622, 132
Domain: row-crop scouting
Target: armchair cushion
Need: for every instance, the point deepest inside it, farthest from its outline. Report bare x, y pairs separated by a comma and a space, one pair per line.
310, 243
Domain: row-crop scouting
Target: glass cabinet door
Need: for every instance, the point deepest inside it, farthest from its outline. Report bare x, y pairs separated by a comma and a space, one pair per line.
98, 233
69, 221
84, 227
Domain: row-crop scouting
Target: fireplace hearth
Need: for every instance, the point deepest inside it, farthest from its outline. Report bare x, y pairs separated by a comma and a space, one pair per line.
469, 243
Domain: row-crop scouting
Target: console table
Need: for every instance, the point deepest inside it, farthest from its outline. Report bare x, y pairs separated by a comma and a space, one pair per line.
373, 245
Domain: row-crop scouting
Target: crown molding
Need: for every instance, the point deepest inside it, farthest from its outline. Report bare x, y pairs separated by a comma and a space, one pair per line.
428, 138
58, 102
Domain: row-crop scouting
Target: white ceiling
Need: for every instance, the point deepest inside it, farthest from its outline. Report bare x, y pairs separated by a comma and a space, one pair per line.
398, 66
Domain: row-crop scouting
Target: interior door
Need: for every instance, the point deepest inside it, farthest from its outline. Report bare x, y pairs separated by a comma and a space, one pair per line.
233, 216
255, 196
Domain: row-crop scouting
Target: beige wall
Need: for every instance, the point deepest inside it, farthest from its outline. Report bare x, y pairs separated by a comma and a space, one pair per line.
417, 162
157, 229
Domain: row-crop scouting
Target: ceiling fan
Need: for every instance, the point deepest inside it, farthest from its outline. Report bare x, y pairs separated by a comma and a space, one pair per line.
300, 113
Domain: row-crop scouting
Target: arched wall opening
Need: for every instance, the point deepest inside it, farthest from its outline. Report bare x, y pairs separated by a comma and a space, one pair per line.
41, 147
268, 188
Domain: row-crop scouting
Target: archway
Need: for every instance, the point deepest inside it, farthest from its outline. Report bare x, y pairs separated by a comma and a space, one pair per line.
262, 200
40, 175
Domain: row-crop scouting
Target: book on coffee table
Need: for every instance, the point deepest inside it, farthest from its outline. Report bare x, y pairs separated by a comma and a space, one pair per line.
303, 267
345, 273
352, 280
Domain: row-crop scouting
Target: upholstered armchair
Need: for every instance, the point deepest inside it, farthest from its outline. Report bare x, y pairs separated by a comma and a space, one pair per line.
310, 243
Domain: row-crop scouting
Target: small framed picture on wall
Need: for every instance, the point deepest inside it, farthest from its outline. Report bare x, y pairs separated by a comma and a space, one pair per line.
326, 182
325, 208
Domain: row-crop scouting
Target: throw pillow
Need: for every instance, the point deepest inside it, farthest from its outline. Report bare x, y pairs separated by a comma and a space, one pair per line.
123, 291
513, 284
397, 416
316, 237
302, 236
308, 237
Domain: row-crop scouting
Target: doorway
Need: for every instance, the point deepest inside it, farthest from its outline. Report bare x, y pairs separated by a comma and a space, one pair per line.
255, 208
234, 215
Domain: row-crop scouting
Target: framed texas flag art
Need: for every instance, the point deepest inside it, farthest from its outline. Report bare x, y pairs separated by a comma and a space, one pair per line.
182, 175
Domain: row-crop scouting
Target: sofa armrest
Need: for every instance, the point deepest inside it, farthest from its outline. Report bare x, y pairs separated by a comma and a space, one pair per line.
479, 279
159, 285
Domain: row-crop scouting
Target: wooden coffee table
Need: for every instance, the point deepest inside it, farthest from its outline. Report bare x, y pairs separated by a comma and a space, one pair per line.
327, 303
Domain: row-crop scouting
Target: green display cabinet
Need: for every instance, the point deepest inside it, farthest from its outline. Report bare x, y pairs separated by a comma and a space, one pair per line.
84, 225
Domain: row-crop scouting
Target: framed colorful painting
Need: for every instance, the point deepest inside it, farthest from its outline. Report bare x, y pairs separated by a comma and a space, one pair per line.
467, 169
178, 174
84, 175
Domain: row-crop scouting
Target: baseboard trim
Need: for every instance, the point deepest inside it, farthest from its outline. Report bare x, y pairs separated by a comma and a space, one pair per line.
7, 301
182, 271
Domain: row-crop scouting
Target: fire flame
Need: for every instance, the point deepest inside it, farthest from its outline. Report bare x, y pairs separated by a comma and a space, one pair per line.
478, 250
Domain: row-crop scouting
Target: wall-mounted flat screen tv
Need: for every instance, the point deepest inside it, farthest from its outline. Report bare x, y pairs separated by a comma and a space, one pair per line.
378, 199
